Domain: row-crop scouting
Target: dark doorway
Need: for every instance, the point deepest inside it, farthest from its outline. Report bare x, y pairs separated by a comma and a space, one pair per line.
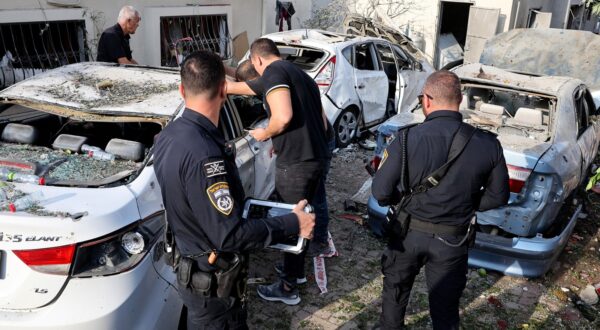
455, 19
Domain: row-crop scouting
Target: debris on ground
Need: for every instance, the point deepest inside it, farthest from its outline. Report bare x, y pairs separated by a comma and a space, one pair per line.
354, 280
589, 295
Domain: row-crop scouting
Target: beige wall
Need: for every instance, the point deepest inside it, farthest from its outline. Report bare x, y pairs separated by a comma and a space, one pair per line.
423, 19
245, 16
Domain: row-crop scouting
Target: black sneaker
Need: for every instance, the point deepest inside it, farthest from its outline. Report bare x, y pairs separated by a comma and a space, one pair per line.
276, 292
316, 249
279, 270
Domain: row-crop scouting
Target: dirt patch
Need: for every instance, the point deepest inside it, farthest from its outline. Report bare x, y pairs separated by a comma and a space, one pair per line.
490, 300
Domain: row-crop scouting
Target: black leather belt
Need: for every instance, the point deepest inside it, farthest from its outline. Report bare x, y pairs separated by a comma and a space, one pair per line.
436, 228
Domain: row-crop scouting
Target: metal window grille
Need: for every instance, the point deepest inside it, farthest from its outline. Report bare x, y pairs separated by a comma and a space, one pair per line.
182, 35
29, 48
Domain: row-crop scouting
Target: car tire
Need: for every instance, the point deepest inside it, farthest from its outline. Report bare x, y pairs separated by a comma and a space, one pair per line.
345, 128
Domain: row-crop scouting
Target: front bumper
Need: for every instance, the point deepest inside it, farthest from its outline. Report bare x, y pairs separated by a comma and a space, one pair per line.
136, 299
519, 256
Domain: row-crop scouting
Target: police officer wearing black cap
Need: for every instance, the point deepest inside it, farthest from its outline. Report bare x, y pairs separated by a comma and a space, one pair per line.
439, 173
203, 198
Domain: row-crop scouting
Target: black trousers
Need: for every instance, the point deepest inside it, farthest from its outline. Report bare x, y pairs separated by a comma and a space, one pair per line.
293, 183
445, 272
213, 313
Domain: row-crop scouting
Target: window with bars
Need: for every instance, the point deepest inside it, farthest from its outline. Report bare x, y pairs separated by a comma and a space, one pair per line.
28, 48
182, 35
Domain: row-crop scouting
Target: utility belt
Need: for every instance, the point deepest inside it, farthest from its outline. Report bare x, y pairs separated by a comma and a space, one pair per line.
229, 280
399, 222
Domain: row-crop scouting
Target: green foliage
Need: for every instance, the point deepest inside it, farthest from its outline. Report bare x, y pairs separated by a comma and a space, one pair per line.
594, 6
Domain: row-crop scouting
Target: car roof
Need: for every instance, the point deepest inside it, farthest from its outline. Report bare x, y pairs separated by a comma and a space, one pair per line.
100, 89
556, 52
479, 73
318, 38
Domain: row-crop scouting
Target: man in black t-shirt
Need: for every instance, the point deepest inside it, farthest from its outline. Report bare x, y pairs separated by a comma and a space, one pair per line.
114, 41
297, 127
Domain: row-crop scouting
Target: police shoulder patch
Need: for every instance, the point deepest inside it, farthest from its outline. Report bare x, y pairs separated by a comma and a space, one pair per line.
384, 158
215, 168
220, 197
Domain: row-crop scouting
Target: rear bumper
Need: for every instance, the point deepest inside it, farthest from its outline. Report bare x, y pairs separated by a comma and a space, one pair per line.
137, 299
331, 110
528, 257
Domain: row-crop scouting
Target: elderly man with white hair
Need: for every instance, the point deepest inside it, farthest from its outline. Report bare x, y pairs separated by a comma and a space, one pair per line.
114, 42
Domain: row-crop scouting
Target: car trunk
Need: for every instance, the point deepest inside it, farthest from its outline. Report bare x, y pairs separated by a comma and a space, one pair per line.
37, 245
523, 124
80, 198
72, 142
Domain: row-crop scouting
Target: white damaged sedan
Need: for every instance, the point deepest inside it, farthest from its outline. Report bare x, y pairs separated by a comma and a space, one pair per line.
81, 210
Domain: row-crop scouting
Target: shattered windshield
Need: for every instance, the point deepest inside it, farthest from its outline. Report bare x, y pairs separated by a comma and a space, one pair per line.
517, 117
41, 148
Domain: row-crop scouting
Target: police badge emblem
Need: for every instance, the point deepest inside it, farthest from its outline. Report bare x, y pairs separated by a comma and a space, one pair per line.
220, 197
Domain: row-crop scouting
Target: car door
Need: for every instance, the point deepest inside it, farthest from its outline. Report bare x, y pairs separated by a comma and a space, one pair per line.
244, 157
587, 132
411, 80
370, 82
388, 63
251, 114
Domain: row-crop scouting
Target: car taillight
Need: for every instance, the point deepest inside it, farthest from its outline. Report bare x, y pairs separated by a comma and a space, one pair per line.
118, 252
517, 177
325, 77
56, 260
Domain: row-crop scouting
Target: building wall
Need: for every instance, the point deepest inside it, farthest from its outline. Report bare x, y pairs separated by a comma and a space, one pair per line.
246, 15
421, 21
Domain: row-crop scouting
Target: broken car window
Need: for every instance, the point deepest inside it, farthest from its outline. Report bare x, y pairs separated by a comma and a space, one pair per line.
364, 59
347, 53
581, 111
69, 151
250, 110
387, 60
403, 60
306, 58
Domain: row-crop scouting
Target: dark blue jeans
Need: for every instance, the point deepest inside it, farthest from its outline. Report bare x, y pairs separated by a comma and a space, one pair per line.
320, 202
293, 183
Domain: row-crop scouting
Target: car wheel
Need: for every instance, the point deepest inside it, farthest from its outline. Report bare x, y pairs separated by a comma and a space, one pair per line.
345, 128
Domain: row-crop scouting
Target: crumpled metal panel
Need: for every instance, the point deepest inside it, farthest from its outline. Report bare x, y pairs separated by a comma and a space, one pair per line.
553, 52
101, 88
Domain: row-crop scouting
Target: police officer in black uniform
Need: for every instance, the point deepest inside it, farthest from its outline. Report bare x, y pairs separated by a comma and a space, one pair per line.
437, 220
203, 198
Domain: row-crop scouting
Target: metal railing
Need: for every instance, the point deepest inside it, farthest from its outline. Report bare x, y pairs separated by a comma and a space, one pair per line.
182, 35
29, 48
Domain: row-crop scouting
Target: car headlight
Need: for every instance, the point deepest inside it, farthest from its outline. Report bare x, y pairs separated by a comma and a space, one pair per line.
119, 251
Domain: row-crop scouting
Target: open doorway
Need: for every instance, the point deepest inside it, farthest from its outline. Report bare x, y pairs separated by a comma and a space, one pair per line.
452, 32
